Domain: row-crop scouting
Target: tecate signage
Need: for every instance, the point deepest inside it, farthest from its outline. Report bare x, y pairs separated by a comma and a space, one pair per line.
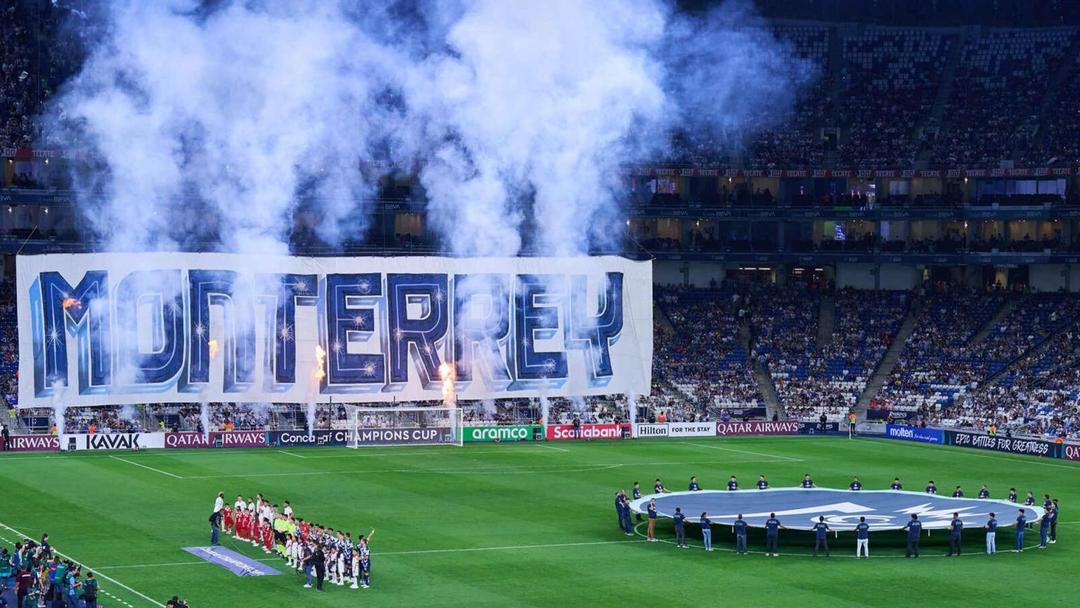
758, 427
561, 432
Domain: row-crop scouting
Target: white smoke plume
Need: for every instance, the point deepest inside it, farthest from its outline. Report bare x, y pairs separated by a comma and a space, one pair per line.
227, 125
213, 123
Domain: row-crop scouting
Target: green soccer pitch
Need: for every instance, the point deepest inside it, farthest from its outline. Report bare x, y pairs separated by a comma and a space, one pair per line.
530, 524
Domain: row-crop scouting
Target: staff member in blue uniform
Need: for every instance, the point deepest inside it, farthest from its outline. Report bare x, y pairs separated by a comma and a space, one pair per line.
958, 493
1053, 521
1044, 530
762, 483
740, 534
991, 534
1021, 521
896, 485
984, 492
931, 488
862, 539
821, 536
914, 535
680, 528
693, 487
855, 484
807, 482
732, 484
651, 532
706, 530
637, 494
956, 527
772, 535
1012, 494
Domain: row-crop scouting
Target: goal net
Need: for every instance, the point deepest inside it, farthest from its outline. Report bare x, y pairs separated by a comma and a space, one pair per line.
375, 426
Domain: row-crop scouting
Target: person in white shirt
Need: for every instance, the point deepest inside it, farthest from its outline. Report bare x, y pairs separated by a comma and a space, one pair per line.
219, 502
288, 509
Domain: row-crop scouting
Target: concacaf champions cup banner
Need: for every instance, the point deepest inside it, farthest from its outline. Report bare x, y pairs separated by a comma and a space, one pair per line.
100, 329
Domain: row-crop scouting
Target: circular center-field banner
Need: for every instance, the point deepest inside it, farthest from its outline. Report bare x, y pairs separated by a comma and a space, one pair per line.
800, 508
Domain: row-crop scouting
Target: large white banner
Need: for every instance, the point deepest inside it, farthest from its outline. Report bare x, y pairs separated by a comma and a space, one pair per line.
100, 329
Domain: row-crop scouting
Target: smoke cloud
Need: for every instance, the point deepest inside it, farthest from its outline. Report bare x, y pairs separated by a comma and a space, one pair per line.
229, 125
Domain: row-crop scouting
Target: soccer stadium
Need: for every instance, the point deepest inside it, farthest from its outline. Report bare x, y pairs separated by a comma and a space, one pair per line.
475, 303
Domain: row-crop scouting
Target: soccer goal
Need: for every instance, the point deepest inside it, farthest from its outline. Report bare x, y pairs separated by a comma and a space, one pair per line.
382, 426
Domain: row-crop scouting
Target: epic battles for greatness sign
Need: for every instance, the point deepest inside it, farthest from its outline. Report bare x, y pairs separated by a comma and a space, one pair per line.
1028, 447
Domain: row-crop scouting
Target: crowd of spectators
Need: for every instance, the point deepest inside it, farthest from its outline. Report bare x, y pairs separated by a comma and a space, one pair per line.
890, 82
838, 370
700, 355
938, 362
997, 92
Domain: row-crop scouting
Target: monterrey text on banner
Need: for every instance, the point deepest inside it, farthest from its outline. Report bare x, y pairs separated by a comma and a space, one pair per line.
172, 327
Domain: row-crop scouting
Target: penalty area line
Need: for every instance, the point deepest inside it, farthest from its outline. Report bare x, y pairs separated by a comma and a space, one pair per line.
88, 568
148, 468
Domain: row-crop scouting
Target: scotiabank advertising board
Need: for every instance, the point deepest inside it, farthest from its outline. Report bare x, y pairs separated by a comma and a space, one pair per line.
216, 439
758, 427
33, 443
565, 432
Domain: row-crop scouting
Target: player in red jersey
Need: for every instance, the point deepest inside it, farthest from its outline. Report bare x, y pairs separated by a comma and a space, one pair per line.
267, 537
227, 517
305, 527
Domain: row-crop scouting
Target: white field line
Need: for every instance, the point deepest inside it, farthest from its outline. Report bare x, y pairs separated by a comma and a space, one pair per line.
551, 447
91, 569
291, 454
717, 447
148, 468
415, 552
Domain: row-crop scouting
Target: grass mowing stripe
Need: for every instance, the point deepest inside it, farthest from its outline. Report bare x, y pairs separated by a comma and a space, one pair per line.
91, 569
773, 457
455, 470
148, 468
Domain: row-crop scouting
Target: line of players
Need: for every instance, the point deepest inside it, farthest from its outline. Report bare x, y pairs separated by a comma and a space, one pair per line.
1048, 525
855, 486
321, 553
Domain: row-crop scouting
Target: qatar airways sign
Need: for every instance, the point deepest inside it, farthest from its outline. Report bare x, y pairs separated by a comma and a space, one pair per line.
106, 329
758, 427
33, 443
216, 439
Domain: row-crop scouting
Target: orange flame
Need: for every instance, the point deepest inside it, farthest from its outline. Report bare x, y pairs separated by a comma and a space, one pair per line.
69, 302
319, 372
446, 373
213, 348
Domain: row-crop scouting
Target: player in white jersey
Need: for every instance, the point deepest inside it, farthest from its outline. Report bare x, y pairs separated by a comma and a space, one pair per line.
341, 572
288, 509
355, 570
